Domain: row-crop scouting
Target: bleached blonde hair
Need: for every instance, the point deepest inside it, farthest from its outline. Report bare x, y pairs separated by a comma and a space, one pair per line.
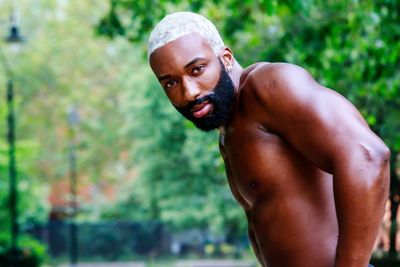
178, 24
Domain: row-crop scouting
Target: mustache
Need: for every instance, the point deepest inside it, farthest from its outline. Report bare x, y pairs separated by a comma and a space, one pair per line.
197, 101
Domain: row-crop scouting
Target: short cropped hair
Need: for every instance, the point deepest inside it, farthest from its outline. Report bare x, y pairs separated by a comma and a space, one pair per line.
178, 24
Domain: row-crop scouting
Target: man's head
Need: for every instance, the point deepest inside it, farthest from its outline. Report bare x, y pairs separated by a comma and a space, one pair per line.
179, 24
190, 60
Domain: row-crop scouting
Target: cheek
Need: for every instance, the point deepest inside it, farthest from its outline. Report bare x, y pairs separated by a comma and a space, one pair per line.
209, 79
174, 97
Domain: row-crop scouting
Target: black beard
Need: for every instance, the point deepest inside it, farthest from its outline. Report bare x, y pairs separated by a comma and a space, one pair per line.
221, 98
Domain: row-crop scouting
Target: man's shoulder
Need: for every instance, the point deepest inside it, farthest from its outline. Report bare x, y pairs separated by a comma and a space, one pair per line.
262, 71
263, 77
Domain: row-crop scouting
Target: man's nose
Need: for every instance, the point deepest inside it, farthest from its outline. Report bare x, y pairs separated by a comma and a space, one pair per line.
191, 90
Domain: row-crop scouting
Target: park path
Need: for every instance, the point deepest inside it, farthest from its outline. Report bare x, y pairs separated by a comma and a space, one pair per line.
214, 263
107, 264
182, 263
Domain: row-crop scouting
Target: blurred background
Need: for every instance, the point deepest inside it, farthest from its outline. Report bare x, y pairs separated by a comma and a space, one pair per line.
98, 169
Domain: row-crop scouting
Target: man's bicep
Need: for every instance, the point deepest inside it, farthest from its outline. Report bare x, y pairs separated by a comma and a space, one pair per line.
328, 130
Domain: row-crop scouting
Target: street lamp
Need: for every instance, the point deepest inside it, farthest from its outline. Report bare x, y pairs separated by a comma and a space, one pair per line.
13, 37
73, 120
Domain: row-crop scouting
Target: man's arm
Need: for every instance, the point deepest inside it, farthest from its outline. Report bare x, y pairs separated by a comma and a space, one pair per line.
252, 238
330, 132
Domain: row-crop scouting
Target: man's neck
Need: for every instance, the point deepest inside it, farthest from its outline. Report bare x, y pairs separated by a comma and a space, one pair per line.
235, 75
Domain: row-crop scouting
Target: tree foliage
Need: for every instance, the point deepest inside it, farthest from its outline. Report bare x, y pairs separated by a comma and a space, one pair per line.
60, 65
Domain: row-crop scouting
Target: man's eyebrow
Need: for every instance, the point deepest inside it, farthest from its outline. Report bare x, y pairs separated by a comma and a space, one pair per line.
187, 65
193, 61
163, 77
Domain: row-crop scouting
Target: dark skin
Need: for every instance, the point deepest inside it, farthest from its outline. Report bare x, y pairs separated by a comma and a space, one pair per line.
311, 176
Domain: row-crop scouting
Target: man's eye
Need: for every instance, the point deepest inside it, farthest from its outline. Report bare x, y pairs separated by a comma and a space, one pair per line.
170, 84
197, 69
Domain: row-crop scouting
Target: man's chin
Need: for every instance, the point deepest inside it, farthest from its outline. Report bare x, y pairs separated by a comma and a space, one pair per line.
206, 126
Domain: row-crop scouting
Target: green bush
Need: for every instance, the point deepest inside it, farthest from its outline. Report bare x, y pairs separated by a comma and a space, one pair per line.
30, 252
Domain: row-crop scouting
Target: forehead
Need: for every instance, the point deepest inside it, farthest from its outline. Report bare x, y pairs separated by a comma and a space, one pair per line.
179, 52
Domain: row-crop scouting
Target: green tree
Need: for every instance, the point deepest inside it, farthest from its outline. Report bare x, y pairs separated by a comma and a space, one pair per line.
61, 65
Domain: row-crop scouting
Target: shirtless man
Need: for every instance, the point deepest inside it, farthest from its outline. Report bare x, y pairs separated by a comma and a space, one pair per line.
311, 176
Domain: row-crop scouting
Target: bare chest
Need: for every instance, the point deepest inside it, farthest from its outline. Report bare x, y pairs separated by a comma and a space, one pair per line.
264, 166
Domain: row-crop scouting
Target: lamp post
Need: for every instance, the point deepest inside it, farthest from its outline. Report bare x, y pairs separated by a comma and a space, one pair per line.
13, 37
73, 120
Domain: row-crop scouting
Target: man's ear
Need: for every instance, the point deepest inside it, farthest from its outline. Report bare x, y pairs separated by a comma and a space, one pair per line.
226, 57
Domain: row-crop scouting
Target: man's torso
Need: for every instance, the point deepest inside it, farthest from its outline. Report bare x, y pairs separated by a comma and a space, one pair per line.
290, 201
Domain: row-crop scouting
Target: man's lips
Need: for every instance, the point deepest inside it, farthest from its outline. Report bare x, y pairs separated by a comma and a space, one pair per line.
201, 110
